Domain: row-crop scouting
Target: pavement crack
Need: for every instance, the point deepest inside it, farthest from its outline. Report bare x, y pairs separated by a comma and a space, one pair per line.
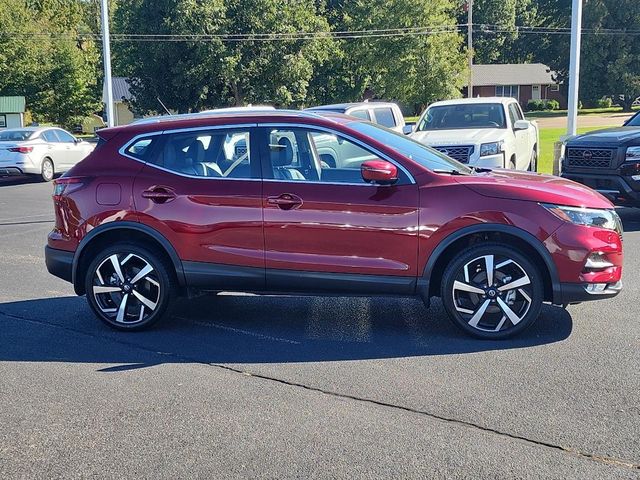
463, 423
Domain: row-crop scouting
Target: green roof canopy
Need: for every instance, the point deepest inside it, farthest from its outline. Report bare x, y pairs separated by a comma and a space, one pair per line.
12, 104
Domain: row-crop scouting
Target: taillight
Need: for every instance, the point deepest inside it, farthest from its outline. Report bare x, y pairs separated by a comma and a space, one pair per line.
21, 149
66, 185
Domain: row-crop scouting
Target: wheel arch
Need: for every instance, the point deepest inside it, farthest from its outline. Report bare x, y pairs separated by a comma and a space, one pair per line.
125, 231
429, 283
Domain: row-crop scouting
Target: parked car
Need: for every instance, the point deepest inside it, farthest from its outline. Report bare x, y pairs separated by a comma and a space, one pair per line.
40, 151
608, 161
485, 132
163, 208
383, 113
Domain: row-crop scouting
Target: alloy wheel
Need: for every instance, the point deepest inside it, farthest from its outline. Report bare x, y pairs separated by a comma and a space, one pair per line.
492, 293
126, 289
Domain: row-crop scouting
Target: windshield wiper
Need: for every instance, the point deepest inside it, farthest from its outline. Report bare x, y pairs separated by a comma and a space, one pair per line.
480, 169
450, 172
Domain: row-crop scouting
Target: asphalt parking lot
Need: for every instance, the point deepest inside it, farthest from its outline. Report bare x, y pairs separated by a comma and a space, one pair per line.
239, 386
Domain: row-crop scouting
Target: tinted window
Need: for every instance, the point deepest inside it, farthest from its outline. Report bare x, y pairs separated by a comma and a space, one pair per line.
65, 137
15, 135
363, 114
470, 115
138, 149
384, 116
50, 136
215, 154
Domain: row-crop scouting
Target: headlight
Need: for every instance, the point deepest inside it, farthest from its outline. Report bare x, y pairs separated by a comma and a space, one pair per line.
633, 153
493, 148
589, 217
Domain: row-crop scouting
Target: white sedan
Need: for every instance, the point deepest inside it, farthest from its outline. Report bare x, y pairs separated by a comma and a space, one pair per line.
484, 132
42, 151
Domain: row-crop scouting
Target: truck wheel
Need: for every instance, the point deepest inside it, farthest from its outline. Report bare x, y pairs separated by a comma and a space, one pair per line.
533, 163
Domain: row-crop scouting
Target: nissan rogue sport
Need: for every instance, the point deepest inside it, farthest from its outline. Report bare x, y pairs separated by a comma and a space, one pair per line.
242, 201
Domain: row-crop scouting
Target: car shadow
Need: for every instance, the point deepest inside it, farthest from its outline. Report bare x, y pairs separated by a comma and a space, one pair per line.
630, 219
228, 329
18, 180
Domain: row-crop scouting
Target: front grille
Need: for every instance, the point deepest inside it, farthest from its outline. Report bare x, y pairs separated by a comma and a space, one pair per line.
462, 153
589, 157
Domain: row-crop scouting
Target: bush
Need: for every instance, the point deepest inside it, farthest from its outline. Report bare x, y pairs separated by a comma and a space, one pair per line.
604, 102
535, 105
551, 105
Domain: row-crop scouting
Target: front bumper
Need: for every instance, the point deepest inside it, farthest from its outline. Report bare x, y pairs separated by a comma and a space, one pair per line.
578, 292
616, 188
59, 263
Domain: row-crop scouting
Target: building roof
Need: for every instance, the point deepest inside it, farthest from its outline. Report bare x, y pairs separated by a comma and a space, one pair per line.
120, 87
512, 74
12, 104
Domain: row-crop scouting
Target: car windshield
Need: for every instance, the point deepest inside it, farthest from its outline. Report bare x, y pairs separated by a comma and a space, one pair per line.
635, 121
419, 153
15, 135
470, 115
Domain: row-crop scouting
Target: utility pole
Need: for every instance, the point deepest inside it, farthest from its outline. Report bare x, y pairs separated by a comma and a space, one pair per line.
574, 66
106, 59
470, 46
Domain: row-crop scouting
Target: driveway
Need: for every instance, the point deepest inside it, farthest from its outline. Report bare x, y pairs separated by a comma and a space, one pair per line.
591, 120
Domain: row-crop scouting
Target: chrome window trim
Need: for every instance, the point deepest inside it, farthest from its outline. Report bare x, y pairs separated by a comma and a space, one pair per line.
122, 150
360, 143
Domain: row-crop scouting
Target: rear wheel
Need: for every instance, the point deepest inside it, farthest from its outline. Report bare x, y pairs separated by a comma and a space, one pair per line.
47, 171
129, 287
492, 291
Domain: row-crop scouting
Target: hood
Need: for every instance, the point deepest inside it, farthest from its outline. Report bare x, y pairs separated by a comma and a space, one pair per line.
461, 136
616, 135
532, 187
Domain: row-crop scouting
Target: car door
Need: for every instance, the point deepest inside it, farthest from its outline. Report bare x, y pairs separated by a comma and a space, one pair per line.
72, 152
202, 190
325, 228
522, 150
54, 149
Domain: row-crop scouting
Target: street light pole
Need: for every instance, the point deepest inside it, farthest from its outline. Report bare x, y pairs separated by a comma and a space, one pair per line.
470, 46
106, 59
574, 66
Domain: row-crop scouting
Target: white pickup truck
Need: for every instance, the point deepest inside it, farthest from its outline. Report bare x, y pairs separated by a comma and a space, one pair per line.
485, 132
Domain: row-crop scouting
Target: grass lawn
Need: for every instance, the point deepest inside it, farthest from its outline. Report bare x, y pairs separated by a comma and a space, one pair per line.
548, 136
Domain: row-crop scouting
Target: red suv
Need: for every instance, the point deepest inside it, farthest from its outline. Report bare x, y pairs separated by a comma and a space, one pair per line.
289, 202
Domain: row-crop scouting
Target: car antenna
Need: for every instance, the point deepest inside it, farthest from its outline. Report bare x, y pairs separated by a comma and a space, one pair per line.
163, 106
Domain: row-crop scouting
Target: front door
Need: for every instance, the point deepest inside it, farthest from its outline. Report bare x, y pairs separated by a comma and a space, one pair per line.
535, 92
325, 228
202, 190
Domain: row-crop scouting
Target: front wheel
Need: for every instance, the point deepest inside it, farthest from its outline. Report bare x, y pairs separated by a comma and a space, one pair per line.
129, 287
492, 291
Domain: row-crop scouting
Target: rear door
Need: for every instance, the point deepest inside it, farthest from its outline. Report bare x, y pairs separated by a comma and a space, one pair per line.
54, 149
202, 190
325, 228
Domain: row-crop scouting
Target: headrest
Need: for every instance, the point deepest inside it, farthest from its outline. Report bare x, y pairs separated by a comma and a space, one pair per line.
282, 155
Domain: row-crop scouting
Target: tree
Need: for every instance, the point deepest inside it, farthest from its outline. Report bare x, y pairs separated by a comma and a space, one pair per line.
414, 69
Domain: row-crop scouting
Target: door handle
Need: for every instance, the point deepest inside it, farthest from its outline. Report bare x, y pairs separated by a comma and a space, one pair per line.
159, 194
286, 201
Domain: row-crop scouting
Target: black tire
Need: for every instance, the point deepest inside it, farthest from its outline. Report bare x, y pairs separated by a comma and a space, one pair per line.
47, 171
492, 304
155, 289
533, 164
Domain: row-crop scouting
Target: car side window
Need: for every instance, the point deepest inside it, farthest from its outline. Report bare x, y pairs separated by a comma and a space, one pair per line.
363, 114
139, 148
65, 137
301, 155
50, 136
212, 153
512, 113
384, 117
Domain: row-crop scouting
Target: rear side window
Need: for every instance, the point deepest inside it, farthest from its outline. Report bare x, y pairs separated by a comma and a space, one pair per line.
139, 148
384, 117
363, 114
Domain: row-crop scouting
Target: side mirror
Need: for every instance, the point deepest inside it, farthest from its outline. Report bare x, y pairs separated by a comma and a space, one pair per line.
379, 171
408, 128
521, 124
